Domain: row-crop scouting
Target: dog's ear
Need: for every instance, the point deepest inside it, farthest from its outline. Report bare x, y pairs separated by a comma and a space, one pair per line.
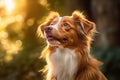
40, 30
84, 26
47, 22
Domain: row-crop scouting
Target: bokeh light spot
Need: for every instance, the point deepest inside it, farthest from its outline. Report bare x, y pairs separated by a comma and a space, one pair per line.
9, 5
30, 22
19, 43
19, 18
43, 2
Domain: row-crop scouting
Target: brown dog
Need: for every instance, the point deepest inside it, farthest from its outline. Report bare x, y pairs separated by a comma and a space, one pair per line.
68, 48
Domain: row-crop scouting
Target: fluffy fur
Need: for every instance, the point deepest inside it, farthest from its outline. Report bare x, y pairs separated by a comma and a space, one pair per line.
68, 48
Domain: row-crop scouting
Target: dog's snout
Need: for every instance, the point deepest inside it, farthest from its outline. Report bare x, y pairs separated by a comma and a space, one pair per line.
48, 29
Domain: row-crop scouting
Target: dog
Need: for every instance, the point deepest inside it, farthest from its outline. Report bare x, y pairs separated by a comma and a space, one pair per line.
67, 52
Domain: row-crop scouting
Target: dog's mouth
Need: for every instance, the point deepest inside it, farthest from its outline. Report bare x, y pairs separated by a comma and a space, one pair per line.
50, 38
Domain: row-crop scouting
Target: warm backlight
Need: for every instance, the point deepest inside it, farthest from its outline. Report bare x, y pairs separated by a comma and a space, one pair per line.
9, 5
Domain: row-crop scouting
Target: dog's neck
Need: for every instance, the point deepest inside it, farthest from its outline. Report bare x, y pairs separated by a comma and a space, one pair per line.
63, 63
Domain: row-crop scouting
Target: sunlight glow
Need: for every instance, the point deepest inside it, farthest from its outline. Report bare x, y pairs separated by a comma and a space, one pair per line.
9, 4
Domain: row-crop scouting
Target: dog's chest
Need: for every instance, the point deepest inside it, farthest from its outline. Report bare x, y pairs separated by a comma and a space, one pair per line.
64, 63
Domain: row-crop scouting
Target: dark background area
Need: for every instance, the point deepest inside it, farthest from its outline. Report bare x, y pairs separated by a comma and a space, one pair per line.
20, 46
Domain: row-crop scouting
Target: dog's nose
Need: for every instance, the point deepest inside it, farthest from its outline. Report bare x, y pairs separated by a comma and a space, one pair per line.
48, 29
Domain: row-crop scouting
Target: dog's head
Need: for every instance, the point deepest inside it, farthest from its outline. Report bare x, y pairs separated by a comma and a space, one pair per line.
66, 31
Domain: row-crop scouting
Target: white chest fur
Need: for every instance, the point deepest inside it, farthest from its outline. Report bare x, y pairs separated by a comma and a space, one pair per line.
63, 63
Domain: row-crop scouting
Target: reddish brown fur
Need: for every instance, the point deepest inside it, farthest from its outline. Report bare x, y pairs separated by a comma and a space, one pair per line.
80, 42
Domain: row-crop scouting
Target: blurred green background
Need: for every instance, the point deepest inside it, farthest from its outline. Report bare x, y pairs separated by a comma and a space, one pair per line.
20, 46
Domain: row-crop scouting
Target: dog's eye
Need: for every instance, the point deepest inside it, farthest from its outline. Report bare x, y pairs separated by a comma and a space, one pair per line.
65, 24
